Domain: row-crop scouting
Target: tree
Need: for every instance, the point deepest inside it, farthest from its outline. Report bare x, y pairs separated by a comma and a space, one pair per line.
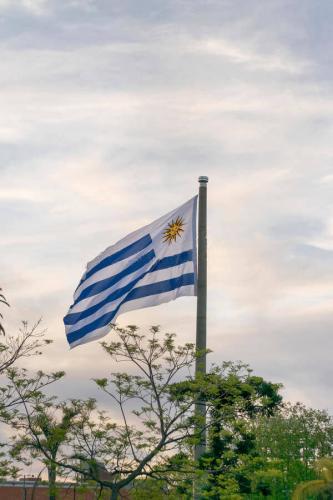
157, 489
323, 467
27, 342
2, 301
44, 423
157, 419
237, 398
295, 437
161, 418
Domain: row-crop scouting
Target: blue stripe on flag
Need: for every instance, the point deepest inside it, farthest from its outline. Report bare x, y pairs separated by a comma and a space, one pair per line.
122, 254
166, 262
160, 287
73, 318
102, 285
143, 291
173, 260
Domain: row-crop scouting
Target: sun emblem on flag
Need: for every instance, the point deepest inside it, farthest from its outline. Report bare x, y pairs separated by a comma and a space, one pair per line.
173, 230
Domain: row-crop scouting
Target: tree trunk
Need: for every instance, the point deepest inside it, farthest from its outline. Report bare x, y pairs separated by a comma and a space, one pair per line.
52, 474
114, 495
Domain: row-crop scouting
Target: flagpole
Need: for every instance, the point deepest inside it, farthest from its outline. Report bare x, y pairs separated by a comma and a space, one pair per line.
201, 343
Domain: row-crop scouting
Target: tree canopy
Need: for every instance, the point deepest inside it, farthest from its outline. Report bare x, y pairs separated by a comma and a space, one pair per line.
258, 446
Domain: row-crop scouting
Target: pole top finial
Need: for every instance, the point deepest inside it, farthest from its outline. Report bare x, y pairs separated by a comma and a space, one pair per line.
203, 179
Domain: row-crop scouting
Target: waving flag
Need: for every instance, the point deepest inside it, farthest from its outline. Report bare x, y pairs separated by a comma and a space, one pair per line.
152, 265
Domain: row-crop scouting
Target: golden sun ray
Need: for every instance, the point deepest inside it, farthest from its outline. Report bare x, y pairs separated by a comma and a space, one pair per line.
173, 230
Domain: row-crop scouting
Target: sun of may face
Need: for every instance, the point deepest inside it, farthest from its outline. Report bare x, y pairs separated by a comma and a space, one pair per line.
173, 230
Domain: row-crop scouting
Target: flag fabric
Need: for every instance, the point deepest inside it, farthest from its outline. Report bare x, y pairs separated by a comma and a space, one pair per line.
150, 266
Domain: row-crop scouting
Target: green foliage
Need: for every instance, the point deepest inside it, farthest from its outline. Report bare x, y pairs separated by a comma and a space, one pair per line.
257, 447
267, 481
155, 422
295, 437
155, 489
28, 342
43, 423
237, 399
324, 468
7, 468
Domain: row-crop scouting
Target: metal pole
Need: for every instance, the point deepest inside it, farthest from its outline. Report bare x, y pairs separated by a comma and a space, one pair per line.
201, 343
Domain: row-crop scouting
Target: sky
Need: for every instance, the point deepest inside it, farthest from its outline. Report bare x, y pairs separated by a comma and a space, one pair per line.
109, 113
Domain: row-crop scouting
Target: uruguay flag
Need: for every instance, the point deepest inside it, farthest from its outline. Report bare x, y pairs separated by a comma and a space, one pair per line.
152, 265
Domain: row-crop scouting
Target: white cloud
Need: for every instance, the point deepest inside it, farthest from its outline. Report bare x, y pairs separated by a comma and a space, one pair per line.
279, 61
36, 7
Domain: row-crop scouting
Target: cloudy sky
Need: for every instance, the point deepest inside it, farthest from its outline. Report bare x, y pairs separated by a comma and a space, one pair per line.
109, 113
